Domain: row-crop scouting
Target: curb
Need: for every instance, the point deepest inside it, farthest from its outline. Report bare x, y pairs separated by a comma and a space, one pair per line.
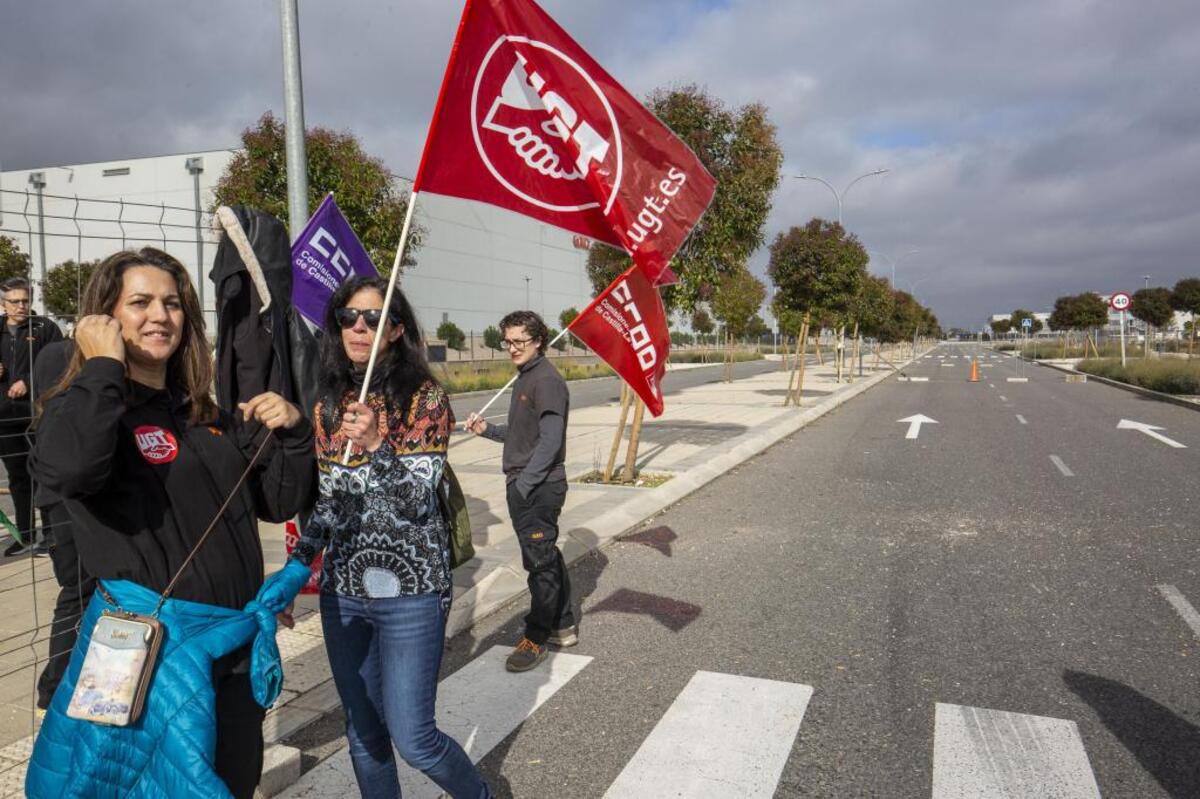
1108, 381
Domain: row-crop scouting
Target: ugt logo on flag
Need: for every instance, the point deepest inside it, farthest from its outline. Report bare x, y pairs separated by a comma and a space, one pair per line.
528, 121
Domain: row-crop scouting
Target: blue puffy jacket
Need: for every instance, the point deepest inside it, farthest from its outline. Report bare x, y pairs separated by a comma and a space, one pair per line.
169, 751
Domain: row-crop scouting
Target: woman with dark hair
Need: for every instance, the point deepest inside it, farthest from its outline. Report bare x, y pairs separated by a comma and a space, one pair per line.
385, 583
143, 460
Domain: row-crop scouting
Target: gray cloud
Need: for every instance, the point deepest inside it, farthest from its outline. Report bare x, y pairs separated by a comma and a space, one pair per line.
1036, 147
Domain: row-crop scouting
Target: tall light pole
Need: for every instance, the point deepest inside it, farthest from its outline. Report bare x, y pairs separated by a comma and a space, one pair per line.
893, 261
38, 181
527, 279
293, 94
840, 197
194, 167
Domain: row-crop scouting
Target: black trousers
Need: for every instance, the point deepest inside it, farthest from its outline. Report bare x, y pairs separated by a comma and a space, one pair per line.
75, 587
535, 521
239, 760
15, 445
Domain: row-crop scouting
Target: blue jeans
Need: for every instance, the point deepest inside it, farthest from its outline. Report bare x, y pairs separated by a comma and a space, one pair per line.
385, 655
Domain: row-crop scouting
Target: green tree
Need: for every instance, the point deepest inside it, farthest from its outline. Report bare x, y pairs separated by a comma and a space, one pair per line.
452, 334
738, 297
64, 286
702, 323
872, 305
565, 319
366, 190
818, 270
1152, 306
13, 262
559, 345
1186, 297
1001, 327
1019, 314
757, 327
739, 148
492, 337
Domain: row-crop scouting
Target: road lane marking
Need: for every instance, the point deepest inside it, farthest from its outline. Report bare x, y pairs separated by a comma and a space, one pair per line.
724, 735
1021, 419
1003, 398
993, 754
1017, 379
991, 385
1150, 430
1062, 467
479, 706
914, 424
1182, 607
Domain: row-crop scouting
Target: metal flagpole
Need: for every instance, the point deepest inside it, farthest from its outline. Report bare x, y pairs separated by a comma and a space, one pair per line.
387, 303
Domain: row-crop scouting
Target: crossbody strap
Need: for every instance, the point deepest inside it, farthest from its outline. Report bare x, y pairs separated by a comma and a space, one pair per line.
213, 524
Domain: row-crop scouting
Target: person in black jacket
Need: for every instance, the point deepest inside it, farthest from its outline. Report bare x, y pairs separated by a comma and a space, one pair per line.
132, 442
22, 337
75, 586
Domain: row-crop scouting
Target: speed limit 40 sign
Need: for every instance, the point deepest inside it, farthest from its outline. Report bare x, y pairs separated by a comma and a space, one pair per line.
1119, 301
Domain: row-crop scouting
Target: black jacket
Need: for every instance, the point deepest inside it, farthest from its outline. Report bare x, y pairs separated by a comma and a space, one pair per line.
18, 353
259, 350
141, 484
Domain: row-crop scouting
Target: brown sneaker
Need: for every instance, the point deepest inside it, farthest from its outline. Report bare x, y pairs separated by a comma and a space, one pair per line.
565, 637
526, 656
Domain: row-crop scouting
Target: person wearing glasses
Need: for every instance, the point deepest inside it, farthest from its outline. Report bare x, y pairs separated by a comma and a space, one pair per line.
22, 336
385, 583
535, 449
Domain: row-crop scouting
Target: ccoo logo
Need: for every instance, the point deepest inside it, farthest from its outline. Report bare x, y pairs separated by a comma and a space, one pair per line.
157, 445
538, 144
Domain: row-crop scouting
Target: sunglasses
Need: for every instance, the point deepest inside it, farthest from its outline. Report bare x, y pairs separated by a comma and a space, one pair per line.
348, 317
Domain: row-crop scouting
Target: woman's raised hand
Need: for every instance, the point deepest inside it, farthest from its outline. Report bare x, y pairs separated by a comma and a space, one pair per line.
272, 410
361, 426
99, 336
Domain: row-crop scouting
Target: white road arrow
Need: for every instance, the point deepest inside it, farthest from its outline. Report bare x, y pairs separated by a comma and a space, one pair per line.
1149, 430
914, 424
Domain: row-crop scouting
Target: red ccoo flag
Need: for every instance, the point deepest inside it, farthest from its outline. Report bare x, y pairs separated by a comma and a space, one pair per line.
527, 121
632, 309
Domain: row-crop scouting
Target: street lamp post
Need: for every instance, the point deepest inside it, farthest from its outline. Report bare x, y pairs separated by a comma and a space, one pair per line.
527, 279
842, 195
893, 261
38, 181
194, 167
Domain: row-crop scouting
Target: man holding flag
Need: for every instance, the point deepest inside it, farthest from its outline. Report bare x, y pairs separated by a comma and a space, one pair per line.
535, 449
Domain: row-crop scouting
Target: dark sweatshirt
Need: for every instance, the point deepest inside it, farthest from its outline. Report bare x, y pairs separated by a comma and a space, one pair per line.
535, 437
141, 484
17, 354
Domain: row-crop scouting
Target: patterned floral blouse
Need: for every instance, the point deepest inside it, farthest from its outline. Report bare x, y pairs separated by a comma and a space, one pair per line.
378, 518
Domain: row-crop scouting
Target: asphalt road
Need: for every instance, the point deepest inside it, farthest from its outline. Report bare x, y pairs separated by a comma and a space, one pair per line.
900, 577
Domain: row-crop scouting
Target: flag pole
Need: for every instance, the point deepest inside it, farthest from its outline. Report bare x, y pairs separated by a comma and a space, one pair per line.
510, 382
387, 303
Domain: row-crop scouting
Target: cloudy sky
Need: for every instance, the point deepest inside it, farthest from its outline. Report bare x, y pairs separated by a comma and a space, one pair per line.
1035, 147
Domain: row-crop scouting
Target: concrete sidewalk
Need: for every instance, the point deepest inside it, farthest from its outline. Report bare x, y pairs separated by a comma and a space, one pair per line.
704, 432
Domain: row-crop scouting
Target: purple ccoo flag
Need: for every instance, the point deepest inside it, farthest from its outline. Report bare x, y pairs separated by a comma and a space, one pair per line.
325, 255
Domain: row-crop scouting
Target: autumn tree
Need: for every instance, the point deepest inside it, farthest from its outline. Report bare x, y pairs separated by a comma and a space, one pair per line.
739, 148
367, 192
64, 286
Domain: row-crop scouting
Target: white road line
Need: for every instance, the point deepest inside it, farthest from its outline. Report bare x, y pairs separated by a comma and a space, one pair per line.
479, 706
1021, 419
1182, 607
993, 754
991, 385
1003, 398
1062, 467
724, 735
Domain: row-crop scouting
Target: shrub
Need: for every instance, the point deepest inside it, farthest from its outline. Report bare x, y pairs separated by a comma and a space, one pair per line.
1167, 376
452, 334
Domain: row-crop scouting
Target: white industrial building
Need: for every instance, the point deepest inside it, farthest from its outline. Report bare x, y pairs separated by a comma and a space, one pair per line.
476, 263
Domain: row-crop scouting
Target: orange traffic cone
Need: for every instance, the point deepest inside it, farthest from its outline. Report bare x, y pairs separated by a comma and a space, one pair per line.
974, 370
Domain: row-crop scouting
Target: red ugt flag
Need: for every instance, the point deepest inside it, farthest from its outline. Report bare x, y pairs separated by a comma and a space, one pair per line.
527, 121
632, 309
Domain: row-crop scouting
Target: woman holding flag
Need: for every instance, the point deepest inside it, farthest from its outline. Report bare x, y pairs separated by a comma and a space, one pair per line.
385, 583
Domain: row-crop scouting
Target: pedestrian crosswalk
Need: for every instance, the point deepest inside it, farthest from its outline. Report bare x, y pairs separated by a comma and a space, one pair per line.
731, 735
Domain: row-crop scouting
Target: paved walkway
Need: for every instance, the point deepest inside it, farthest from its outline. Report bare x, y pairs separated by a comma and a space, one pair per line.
704, 431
